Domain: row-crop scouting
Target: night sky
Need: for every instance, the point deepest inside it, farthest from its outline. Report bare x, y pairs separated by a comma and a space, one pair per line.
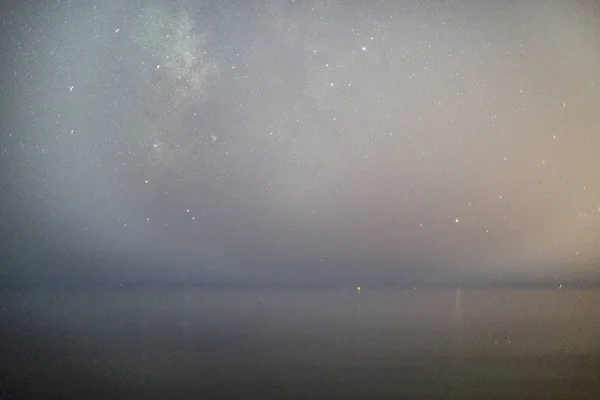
295, 141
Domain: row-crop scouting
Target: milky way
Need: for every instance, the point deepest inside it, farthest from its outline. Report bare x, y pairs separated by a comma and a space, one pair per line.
384, 141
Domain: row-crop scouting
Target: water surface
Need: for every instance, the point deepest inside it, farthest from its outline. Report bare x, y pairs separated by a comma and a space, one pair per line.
318, 343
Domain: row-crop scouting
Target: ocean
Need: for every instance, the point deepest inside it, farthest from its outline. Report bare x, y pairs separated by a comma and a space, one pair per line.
395, 343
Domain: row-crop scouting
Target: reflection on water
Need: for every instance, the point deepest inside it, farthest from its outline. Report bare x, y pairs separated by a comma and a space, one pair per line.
179, 342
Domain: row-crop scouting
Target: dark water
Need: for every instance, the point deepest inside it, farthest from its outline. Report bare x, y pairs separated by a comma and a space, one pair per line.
300, 343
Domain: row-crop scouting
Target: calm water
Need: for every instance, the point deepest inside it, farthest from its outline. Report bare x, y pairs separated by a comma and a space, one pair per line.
318, 343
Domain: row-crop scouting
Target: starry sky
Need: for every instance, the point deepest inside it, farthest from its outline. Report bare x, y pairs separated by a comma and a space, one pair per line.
284, 141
